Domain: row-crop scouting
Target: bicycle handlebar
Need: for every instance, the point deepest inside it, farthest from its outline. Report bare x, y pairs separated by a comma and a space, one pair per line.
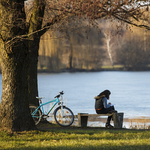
61, 93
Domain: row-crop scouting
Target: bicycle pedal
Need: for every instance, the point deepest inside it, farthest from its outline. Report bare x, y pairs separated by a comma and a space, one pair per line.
44, 116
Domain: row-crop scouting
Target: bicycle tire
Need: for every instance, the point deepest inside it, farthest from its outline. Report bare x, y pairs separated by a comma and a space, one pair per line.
64, 117
37, 117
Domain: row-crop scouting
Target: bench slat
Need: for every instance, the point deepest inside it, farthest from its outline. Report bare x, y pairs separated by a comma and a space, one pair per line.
96, 115
117, 118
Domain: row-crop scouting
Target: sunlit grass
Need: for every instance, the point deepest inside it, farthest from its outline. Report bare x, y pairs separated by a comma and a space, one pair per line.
67, 139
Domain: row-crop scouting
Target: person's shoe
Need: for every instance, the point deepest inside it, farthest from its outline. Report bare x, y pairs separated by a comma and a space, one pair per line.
108, 126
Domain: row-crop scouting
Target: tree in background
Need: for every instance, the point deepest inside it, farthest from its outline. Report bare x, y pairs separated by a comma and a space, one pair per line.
70, 32
132, 53
19, 44
50, 52
79, 47
110, 32
81, 39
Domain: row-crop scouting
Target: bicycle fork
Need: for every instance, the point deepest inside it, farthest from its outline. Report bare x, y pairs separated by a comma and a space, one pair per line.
62, 111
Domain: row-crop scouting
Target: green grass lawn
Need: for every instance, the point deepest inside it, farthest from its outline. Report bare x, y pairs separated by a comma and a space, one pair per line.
76, 139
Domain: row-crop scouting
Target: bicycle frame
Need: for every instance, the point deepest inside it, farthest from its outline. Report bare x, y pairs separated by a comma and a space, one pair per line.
62, 114
42, 104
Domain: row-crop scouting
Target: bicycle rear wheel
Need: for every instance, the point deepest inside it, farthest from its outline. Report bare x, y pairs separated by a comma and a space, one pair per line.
36, 116
64, 116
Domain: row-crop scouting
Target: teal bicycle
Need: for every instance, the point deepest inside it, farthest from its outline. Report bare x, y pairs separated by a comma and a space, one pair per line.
62, 114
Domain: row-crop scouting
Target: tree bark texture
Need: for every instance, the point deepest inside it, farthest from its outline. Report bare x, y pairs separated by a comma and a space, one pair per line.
15, 56
14, 106
34, 39
32, 80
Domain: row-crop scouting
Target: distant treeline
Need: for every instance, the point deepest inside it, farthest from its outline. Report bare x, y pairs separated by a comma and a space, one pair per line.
94, 48
91, 48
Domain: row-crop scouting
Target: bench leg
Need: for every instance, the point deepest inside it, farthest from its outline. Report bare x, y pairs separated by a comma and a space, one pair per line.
82, 120
118, 120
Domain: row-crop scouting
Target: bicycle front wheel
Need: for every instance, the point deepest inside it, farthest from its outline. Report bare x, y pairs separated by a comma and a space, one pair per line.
36, 114
64, 116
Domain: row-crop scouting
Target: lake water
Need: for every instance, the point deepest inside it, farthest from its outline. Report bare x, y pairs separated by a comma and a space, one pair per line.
130, 91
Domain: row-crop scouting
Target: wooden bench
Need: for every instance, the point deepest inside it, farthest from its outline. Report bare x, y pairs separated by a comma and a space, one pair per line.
117, 119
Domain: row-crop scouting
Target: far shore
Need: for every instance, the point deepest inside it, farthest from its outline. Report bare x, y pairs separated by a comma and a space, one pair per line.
103, 68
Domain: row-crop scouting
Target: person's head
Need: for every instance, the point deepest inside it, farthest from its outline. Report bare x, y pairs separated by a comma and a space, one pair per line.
106, 93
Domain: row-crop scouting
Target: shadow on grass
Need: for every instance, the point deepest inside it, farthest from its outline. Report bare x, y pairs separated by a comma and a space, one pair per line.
50, 137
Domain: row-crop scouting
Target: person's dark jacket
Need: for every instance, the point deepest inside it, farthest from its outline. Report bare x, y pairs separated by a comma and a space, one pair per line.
99, 102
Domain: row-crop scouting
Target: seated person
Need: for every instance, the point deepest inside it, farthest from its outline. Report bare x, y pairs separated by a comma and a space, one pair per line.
102, 107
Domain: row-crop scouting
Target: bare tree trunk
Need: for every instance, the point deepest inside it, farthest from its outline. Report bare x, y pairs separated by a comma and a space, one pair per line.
14, 106
32, 78
71, 56
109, 52
71, 51
145, 40
33, 45
107, 36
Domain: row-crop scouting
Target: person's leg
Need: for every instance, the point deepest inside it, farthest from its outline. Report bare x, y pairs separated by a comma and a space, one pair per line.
109, 109
109, 117
105, 111
108, 125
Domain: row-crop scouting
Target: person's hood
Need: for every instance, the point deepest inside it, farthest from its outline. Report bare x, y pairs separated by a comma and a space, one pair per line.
98, 97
